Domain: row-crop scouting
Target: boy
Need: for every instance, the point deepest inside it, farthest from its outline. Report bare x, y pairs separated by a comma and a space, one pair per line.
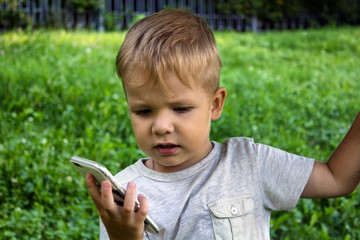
195, 188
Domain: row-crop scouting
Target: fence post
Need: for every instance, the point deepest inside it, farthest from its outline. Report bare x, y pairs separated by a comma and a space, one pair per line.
210, 15
101, 15
129, 12
254, 24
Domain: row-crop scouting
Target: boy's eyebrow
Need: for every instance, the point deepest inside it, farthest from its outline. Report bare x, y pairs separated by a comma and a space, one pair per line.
181, 102
138, 105
144, 104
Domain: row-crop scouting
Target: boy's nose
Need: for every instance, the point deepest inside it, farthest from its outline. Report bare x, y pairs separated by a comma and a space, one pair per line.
162, 124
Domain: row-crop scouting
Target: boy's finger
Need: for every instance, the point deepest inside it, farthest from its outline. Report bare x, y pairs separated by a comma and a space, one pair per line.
127, 210
143, 210
93, 191
108, 199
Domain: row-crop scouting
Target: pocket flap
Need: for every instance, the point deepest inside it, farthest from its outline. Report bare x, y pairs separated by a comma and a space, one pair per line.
232, 207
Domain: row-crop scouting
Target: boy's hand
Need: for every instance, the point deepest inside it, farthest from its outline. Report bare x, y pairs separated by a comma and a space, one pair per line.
120, 222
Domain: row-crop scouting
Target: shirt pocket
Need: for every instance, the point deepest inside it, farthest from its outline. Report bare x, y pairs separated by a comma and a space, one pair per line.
233, 218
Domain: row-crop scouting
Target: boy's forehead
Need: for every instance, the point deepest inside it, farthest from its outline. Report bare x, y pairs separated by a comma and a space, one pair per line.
174, 91
169, 83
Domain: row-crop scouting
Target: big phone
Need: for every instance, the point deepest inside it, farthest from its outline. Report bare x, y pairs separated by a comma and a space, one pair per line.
101, 173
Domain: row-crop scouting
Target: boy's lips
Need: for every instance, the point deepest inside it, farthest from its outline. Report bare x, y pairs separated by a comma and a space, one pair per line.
166, 148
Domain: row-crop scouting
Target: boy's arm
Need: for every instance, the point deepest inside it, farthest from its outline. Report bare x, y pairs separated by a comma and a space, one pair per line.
341, 174
120, 222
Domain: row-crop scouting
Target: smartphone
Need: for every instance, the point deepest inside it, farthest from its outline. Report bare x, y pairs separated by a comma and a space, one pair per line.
100, 173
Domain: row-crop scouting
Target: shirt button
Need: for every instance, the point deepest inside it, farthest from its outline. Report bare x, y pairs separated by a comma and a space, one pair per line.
233, 210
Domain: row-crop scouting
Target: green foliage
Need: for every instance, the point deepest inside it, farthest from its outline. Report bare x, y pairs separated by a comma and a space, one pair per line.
84, 5
59, 96
273, 11
111, 20
11, 17
136, 18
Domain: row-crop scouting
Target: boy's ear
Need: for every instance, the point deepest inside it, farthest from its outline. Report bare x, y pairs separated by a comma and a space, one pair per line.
218, 103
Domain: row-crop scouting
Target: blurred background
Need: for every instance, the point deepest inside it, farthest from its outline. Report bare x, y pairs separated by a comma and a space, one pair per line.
240, 15
291, 69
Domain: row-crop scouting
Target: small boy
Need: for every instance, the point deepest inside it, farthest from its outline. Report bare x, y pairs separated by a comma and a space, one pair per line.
194, 188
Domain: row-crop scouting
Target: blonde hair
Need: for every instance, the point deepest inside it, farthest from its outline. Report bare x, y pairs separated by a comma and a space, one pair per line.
170, 41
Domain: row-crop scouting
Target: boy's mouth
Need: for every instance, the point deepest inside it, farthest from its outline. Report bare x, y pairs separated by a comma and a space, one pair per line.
166, 148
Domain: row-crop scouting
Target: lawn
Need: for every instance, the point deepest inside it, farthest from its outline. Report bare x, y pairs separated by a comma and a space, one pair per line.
60, 96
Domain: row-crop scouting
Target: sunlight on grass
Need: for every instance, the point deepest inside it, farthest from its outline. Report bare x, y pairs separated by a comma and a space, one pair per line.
295, 90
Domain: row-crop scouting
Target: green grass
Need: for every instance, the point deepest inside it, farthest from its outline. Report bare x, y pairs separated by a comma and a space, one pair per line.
59, 96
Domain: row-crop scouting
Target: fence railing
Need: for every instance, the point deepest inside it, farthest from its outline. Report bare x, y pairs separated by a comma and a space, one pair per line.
119, 14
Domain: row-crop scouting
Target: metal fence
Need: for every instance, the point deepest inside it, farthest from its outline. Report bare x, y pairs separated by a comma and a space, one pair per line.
119, 14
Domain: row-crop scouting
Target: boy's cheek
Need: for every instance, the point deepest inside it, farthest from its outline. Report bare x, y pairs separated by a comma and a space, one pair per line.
137, 126
142, 139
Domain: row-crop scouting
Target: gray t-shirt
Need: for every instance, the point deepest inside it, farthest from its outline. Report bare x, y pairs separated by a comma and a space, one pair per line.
227, 195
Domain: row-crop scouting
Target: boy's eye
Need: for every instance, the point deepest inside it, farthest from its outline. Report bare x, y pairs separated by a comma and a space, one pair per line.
182, 109
143, 112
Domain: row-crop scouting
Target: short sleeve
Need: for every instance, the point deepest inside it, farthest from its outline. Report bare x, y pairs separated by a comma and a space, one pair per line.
283, 176
103, 232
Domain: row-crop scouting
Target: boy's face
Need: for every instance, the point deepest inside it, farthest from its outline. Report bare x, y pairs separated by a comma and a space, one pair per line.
171, 127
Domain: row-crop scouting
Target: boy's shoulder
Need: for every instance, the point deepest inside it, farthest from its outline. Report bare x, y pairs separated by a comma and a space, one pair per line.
239, 144
128, 174
235, 140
